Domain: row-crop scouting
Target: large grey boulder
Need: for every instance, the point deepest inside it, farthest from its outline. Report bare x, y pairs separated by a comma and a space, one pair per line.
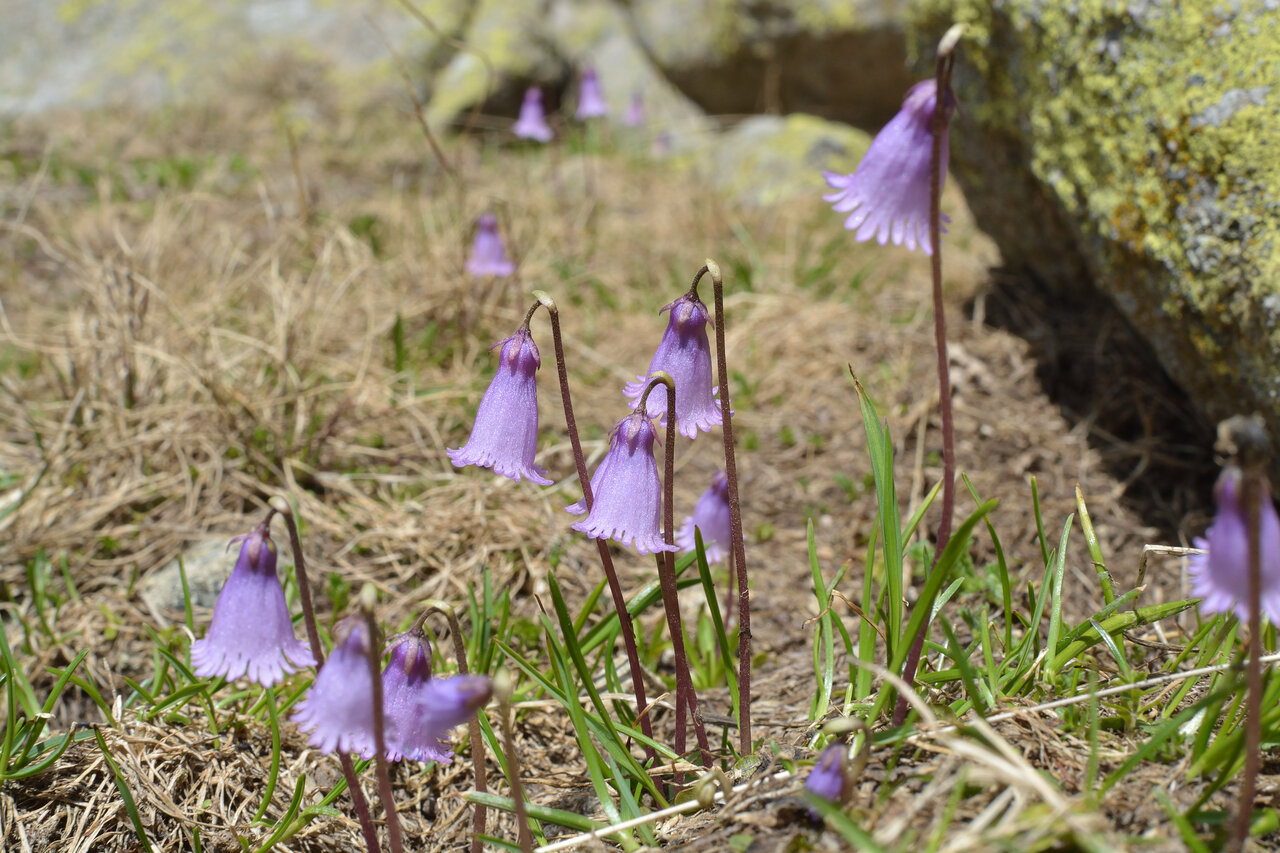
508, 45
839, 59
147, 52
1135, 146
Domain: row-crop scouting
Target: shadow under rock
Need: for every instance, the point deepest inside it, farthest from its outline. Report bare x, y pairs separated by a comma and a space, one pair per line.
1106, 379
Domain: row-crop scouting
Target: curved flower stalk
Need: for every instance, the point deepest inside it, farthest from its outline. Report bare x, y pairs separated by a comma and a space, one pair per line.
627, 490
591, 102
685, 353
488, 255
505, 434
711, 516
251, 634
532, 121
887, 196
1220, 577
338, 709
423, 709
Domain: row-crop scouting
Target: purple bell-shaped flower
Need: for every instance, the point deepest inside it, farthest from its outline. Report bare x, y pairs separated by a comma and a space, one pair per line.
627, 490
711, 516
887, 196
1221, 577
488, 255
251, 633
505, 434
422, 709
532, 122
338, 709
591, 103
685, 353
828, 779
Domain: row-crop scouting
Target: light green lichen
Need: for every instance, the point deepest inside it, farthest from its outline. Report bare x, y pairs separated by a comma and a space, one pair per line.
1154, 126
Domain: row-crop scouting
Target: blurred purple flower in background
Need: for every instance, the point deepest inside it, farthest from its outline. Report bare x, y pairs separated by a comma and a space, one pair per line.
1221, 577
488, 256
591, 103
887, 196
685, 353
827, 778
635, 116
532, 122
422, 709
505, 434
338, 709
627, 490
251, 635
711, 516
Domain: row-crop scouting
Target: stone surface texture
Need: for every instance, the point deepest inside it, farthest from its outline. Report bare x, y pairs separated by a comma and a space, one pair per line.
1133, 145
839, 59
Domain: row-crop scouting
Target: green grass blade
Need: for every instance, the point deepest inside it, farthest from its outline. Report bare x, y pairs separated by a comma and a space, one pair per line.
880, 449
1055, 600
568, 820
126, 796
824, 641
1095, 549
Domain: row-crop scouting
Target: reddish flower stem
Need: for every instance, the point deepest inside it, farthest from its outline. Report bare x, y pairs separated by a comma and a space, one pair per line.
686, 698
939, 127
736, 542
473, 724
1247, 440
606, 559
374, 656
358, 802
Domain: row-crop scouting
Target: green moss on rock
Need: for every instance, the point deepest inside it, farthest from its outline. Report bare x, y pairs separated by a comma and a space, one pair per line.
1134, 142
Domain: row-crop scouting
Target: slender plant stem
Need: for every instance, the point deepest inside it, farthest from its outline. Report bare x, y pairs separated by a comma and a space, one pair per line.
374, 655
737, 545
1252, 489
1247, 439
606, 559
513, 762
358, 801
686, 697
473, 724
941, 115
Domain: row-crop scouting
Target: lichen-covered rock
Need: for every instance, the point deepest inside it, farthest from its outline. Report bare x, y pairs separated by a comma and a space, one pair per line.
841, 59
87, 53
1134, 144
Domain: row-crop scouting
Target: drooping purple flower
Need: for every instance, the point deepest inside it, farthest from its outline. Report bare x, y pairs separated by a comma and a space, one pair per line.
591, 103
505, 434
635, 115
532, 122
711, 516
887, 196
251, 635
338, 709
1221, 577
827, 778
488, 255
685, 353
422, 709
627, 491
